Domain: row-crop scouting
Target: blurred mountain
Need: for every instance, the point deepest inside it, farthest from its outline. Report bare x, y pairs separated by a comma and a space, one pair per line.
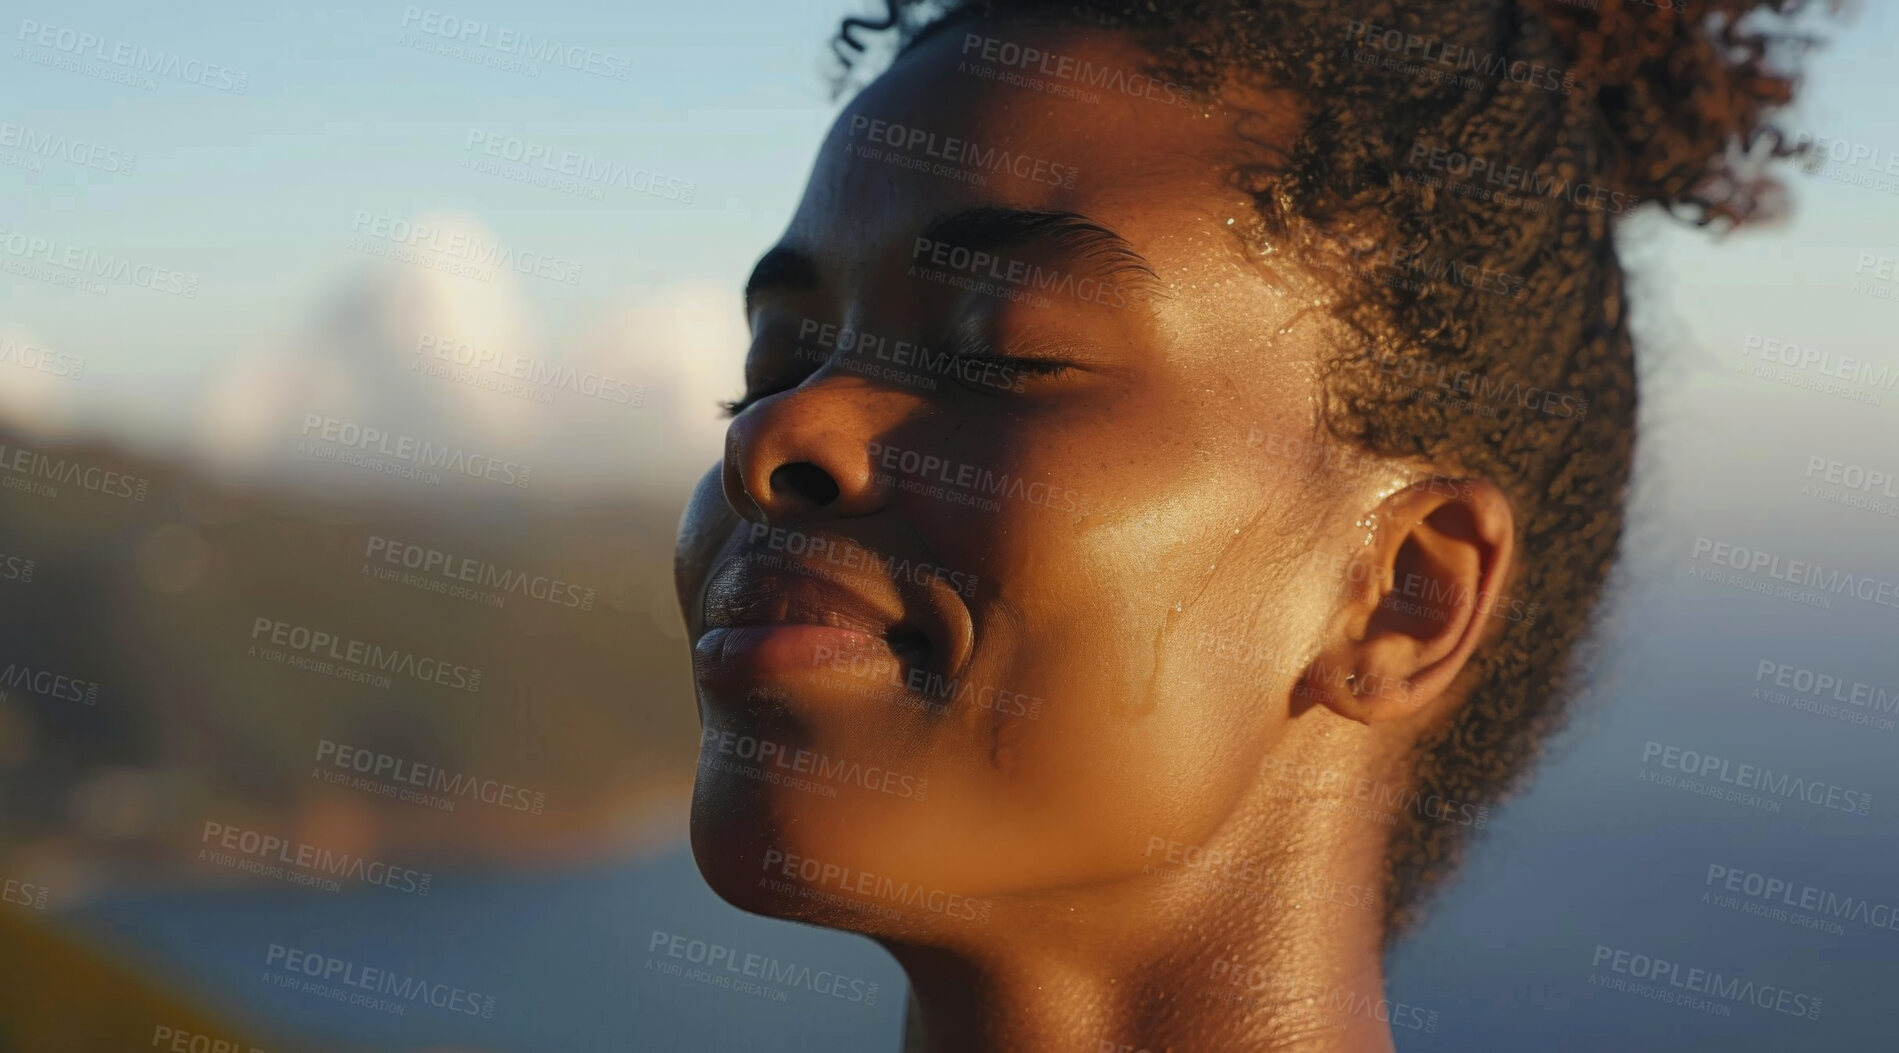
138, 702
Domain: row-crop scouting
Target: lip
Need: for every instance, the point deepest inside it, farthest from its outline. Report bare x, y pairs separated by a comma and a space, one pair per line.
743, 594
738, 659
772, 619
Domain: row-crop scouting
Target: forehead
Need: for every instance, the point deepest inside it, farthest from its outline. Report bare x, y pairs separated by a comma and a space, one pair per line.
1024, 116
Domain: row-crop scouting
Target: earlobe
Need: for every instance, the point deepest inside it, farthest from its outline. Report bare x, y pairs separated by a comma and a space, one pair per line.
1415, 603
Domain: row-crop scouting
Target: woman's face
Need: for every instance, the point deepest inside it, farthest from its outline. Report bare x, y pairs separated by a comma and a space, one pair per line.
1008, 568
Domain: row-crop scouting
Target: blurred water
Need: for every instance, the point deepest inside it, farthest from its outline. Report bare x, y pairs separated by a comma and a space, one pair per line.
567, 956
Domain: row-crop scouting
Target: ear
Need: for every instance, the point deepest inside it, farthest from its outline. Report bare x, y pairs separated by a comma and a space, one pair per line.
1416, 601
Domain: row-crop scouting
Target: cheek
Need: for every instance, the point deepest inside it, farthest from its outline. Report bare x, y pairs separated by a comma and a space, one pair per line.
1142, 636
1086, 788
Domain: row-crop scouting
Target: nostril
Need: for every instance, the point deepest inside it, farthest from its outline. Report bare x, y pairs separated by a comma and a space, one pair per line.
806, 481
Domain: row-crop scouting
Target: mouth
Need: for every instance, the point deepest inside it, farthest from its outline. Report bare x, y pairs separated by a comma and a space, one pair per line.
770, 603
780, 624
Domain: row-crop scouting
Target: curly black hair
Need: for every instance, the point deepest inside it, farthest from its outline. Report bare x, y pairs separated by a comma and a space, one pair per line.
1670, 103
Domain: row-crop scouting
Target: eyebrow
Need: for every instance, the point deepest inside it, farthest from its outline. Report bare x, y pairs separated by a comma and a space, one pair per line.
1069, 234
985, 229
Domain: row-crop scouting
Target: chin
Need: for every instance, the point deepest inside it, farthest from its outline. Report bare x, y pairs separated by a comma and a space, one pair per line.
747, 832
728, 839
801, 856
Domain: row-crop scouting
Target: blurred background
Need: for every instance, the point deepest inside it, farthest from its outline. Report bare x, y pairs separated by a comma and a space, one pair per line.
252, 260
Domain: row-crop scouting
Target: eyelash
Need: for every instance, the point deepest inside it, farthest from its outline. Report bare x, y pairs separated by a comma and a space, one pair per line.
1034, 367
729, 408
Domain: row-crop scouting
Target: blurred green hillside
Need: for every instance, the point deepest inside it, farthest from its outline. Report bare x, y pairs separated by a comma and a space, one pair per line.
155, 601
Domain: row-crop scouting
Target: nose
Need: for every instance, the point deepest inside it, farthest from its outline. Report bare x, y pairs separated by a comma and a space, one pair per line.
805, 455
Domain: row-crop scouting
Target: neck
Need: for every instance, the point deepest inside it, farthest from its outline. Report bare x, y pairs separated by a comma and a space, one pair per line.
1214, 947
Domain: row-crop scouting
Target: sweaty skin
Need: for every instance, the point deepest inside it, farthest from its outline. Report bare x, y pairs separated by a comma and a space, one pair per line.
1097, 774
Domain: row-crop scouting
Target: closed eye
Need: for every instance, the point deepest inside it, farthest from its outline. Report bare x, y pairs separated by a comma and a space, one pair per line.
781, 371
1028, 358
729, 408
1032, 358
